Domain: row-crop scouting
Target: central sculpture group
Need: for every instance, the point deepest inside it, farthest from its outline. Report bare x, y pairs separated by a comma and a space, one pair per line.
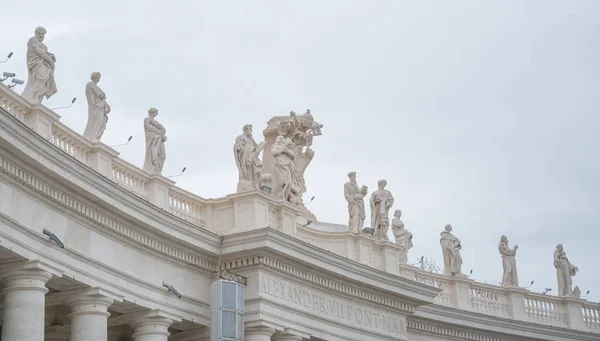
286, 155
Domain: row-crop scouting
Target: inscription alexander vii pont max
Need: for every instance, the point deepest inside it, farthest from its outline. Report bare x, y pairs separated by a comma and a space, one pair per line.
331, 307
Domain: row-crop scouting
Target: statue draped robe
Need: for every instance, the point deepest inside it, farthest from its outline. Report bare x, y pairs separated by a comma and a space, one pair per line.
509, 264
155, 146
403, 239
381, 202
97, 112
356, 206
283, 179
451, 251
40, 79
246, 152
564, 271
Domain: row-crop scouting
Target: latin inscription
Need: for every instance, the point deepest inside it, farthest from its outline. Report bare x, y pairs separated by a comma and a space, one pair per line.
331, 307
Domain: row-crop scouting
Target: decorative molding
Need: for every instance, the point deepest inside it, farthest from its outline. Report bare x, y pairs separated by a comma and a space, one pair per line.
456, 333
310, 277
88, 213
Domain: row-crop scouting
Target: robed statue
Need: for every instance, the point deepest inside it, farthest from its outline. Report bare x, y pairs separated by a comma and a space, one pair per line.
403, 237
40, 66
98, 109
246, 152
509, 263
284, 170
451, 251
381, 202
564, 271
355, 196
155, 143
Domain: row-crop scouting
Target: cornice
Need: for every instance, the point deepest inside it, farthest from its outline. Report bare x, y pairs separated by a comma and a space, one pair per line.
308, 277
289, 250
90, 214
70, 172
437, 330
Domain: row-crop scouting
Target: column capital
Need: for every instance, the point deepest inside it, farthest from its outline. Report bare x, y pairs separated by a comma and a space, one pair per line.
286, 337
89, 305
259, 333
24, 298
290, 334
151, 326
89, 314
25, 280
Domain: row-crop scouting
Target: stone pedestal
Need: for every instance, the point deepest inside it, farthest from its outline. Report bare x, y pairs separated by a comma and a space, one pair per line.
24, 305
255, 210
89, 316
574, 310
157, 189
459, 287
391, 260
516, 303
250, 211
151, 329
259, 333
100, 159
40, 119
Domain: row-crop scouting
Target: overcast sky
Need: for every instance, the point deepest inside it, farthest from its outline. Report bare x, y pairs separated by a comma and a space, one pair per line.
482, 114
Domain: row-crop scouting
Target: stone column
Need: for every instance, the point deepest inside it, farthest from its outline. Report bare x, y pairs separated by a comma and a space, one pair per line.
259, 333
151, 329
24, 305
89, 316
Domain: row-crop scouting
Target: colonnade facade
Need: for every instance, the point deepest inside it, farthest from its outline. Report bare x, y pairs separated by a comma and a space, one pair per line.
24, 306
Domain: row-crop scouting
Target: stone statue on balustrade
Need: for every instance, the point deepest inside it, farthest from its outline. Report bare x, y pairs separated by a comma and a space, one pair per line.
98, 109
155, 143
246, 152
381, 202
300, 130
402, 236
509, 263
283, 174
40, 66
564, 271
355, 196
451, 250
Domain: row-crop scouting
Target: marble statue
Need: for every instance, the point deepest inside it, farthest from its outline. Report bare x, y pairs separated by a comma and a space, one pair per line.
98, 109
300, 129
283, 175
509, 264
355, 196
155, 143
402, 236
451, 251
564, 271
381, 202
40, 66
246, 152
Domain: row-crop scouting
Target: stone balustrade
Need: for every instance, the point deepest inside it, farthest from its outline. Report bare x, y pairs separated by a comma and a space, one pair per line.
514, 303
250, 210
